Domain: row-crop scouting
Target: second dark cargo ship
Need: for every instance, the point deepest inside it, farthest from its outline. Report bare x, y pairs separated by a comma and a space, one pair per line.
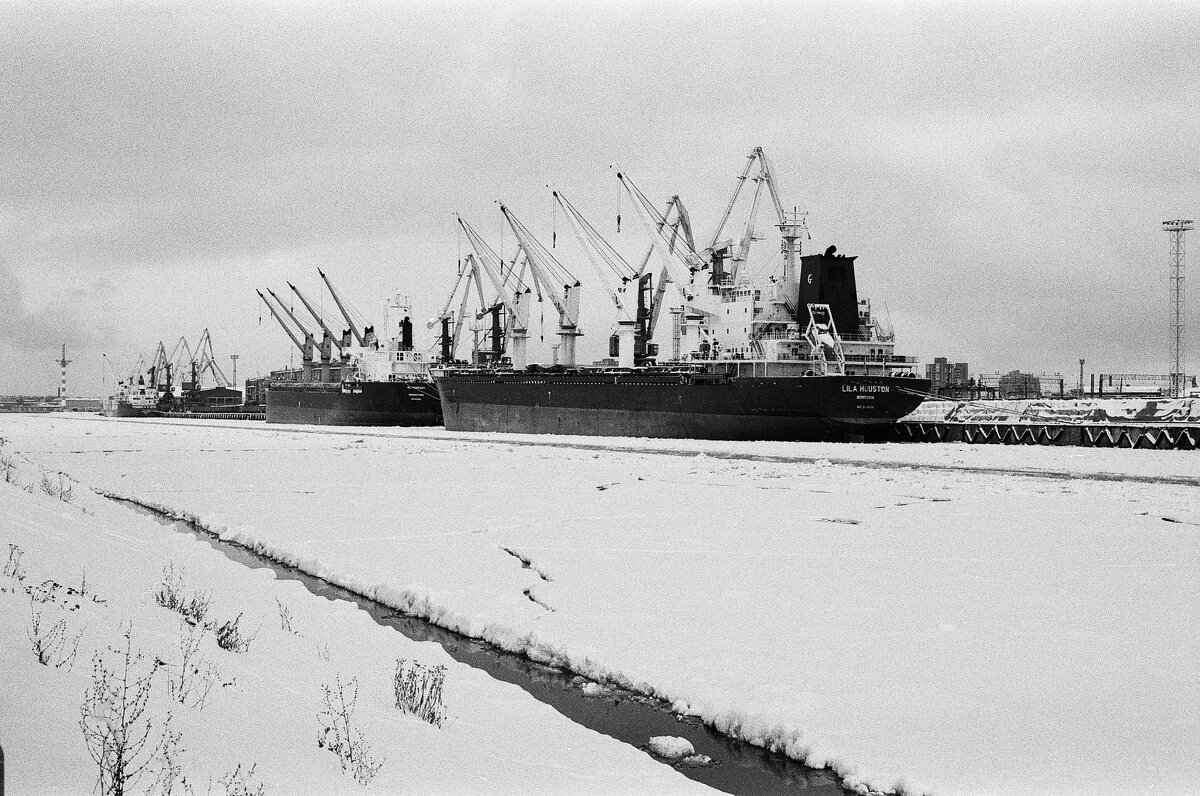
374, 382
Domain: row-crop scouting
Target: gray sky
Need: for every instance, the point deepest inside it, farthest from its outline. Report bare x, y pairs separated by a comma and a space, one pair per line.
1000, 169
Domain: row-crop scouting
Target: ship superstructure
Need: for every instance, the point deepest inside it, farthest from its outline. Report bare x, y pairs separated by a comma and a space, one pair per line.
731, 310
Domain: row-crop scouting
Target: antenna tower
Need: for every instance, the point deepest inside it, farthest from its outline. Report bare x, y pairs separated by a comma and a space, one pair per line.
62, 387
1178, 376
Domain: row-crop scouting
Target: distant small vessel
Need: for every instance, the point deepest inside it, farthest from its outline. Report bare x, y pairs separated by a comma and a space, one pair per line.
132, 399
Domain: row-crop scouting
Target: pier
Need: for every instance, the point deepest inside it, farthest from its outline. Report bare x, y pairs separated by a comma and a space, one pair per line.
1172, 424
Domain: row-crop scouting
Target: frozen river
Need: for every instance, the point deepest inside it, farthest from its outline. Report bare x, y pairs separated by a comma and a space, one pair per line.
948, 618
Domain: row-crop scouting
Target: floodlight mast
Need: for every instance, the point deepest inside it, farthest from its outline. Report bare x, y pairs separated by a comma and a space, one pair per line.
1178, 377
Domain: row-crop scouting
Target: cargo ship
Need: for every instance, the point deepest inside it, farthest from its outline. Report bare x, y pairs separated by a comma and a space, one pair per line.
133, 398
373, 382
741, 350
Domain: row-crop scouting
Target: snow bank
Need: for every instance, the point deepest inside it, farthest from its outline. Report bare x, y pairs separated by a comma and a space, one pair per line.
93, 566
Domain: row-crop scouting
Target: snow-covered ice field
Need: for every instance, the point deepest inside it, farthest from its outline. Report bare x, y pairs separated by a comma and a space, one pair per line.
950, 618
262, 706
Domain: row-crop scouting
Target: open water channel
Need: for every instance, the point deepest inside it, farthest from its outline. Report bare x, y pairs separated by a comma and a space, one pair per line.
737, 767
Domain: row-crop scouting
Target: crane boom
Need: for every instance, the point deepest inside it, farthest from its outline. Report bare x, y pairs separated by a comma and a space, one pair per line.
680, 262
769, 177
445, 313
557, 282
748, 230
338, 300
507, 294
311, 311
468, 275
548, 272
596, 248
741, 180
764, 175
511, 293
291, 315
290, 333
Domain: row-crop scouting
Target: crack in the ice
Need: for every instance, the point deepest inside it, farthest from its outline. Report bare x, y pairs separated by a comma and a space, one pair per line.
527, 563
529, 593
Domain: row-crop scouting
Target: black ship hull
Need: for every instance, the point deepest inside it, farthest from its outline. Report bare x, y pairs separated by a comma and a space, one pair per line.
699, 406
367, 403
116, 408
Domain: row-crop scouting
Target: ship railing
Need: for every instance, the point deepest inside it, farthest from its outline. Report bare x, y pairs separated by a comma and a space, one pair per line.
852, 337
890, 359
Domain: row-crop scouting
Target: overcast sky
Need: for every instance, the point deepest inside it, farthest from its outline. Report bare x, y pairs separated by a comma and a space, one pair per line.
1002, 170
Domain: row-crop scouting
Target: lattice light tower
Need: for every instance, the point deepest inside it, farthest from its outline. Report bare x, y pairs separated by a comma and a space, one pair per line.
1178, 378
62, 385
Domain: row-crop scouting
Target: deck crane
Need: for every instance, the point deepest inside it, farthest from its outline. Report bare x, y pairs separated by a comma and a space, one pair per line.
551, 278
366, 338
306, 347
679, 258
502, 331
607, 263
511, 292
342, 342
680, 225
638, 316
468, 275
719, 250
325, 348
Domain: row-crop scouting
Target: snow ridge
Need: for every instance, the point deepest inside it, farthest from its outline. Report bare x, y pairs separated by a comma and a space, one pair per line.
422, 604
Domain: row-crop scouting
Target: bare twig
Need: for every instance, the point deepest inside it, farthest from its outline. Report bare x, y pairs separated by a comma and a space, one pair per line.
52, 646
338, 736
191, 684
115, 728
